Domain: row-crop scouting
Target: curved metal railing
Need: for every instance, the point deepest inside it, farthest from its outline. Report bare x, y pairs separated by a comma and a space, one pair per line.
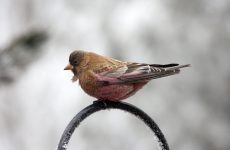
102, 105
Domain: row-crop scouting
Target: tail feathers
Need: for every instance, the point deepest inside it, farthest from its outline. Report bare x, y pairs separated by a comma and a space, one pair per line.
167, 70
176, 67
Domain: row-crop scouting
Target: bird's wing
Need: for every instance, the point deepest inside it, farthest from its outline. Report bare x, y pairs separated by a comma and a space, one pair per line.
136, 72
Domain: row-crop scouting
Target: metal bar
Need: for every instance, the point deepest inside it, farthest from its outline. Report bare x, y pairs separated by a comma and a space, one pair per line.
102, 105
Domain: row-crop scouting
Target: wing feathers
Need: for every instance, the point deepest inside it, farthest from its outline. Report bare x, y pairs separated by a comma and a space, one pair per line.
135, 72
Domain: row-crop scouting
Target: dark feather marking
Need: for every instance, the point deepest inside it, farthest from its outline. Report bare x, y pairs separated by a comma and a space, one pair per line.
164, 66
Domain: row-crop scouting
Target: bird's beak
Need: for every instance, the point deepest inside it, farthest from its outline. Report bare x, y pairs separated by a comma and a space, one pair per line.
68, 67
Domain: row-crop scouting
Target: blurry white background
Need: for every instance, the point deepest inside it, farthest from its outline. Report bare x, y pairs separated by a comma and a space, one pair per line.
38, 99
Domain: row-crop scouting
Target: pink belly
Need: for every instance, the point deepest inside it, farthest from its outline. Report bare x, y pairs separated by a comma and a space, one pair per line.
117, 92
113, 92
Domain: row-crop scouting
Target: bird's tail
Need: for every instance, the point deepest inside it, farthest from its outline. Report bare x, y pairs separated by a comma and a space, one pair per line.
166, 70
169, 67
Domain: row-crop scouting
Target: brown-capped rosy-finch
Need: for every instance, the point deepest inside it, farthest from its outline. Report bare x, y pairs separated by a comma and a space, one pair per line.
109, 79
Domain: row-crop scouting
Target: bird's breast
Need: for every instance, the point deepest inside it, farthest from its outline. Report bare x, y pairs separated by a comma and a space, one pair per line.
87, 82
113, 92
104, 92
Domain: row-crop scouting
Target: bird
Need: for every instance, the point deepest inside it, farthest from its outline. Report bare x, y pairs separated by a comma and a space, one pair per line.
109, 79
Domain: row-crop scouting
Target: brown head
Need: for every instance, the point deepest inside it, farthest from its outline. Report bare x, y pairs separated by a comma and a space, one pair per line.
75, 58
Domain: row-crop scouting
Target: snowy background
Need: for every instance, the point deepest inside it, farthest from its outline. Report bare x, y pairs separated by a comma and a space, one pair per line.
37, 98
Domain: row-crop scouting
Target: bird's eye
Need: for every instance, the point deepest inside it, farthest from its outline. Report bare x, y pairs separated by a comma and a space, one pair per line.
75, 62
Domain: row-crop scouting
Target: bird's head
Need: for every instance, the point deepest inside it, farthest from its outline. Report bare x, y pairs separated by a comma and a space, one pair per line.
75, 59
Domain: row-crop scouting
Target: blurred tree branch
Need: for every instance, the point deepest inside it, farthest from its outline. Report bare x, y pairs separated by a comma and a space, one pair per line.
20, 53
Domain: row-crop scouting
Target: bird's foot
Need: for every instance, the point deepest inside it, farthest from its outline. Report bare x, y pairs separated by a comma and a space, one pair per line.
101, 101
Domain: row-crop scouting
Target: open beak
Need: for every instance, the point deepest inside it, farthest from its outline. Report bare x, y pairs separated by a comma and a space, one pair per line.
68, 67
